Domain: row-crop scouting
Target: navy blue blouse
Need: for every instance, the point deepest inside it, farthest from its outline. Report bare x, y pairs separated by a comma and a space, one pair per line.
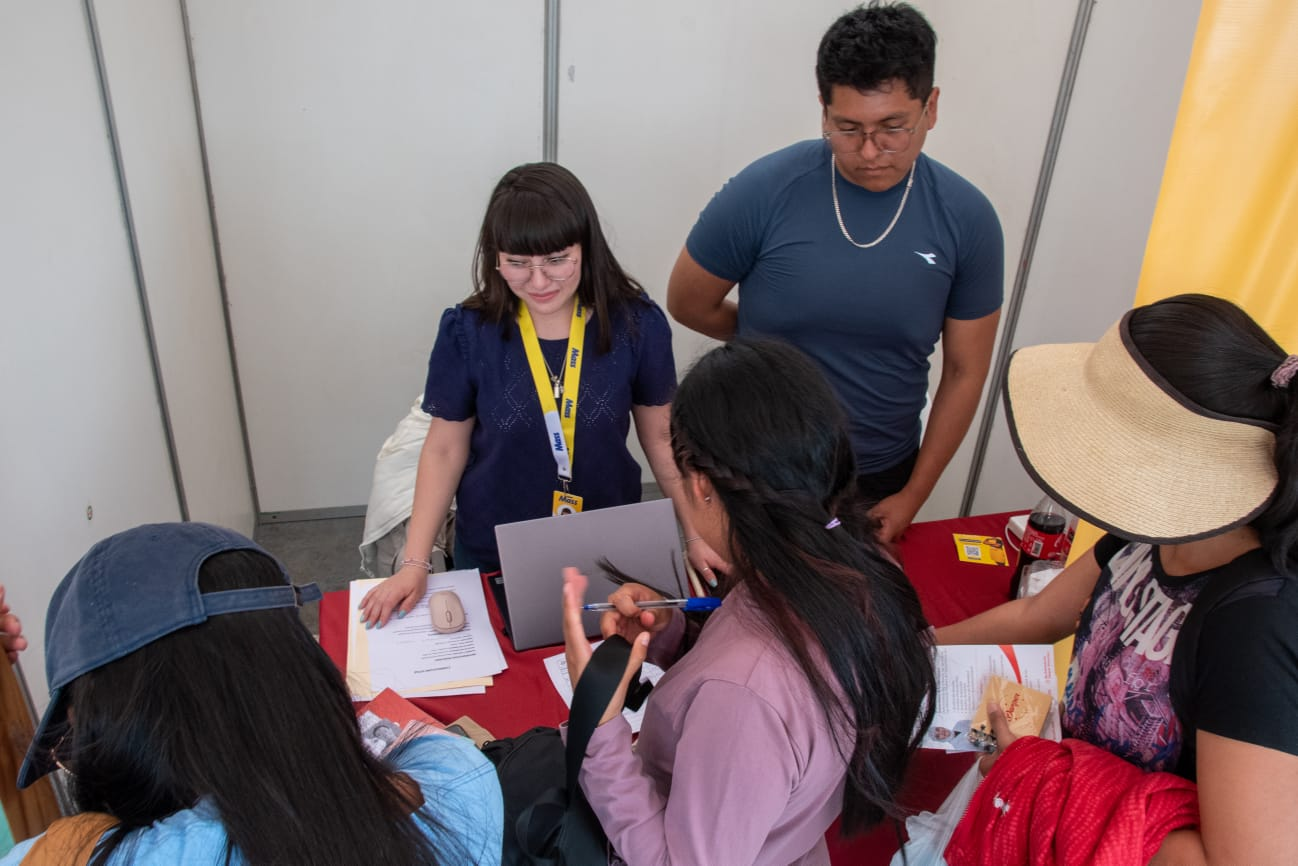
475, 371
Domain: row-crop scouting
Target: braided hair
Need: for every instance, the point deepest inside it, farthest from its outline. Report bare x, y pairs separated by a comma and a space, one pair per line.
759, 421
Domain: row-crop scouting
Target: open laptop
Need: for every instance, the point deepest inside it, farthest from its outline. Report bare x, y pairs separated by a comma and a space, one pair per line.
641, 540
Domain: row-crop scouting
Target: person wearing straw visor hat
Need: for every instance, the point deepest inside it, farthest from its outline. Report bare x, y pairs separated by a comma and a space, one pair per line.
1176, 433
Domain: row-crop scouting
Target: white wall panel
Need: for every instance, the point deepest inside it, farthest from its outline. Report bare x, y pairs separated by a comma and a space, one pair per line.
655, 125
352, 148
1106, 183
81, 424
153, 108
999, 63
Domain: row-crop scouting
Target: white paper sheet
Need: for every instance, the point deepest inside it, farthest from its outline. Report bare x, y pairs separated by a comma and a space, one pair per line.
962, 673
557, 667
411, 658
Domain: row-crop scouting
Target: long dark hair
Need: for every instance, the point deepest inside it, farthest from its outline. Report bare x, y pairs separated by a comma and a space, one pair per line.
760, 422
537, 209
1217, 356
246, 711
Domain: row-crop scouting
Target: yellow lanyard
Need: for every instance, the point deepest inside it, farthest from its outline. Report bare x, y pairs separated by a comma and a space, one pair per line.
560, 421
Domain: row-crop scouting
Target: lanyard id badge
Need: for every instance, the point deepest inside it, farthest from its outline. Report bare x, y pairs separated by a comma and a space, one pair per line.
560, 419
566, 503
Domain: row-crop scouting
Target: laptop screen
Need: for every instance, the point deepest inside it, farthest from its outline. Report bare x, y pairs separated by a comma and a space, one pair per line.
640, 540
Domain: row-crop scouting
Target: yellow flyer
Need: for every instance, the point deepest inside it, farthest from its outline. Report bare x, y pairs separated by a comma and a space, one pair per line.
985, 549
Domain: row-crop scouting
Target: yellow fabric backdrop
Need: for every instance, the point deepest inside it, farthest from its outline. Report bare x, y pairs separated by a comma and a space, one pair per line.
1226, 222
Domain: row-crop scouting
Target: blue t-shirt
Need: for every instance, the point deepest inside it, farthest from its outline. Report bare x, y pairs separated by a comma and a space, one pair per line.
869, 318
474, 372
460, 790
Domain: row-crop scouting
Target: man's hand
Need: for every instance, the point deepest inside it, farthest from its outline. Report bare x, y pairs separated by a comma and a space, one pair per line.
895, 514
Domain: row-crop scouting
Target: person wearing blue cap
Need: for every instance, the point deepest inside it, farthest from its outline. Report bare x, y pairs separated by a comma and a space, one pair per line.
199, 722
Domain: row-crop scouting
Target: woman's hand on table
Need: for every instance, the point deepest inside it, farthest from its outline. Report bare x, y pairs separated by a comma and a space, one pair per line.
396, 595
577, 648
11, 630
707, 563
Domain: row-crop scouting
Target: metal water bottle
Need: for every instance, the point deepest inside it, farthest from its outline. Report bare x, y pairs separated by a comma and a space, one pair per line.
1045, 538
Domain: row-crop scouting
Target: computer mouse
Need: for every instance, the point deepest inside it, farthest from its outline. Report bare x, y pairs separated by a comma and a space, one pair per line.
447, 611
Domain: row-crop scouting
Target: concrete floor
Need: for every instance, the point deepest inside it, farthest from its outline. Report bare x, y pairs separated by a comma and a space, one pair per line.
323, 551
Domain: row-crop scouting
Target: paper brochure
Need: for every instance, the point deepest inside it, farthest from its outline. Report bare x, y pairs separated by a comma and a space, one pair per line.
408, 656
962, 674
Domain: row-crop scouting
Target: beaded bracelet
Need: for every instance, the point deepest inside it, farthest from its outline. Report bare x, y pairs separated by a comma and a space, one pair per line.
428, 566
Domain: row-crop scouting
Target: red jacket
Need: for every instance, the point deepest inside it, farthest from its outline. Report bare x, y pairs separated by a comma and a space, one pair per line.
1071, 804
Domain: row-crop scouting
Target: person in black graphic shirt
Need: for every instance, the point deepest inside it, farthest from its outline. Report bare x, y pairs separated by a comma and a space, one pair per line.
1177, 432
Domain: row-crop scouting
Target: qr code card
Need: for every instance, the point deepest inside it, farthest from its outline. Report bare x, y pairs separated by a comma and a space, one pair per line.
985, 549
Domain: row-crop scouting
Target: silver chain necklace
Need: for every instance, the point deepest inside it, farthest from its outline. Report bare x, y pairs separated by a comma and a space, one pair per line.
833, 185
554, 379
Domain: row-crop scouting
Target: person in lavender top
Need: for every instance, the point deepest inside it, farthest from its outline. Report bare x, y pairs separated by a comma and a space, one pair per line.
798, 699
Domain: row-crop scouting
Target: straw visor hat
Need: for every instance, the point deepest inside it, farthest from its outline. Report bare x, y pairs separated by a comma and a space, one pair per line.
1106, 435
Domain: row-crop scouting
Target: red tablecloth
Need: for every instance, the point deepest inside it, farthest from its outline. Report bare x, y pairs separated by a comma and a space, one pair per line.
950, 590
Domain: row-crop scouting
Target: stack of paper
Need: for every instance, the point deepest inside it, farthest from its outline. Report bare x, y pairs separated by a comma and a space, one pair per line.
414, 660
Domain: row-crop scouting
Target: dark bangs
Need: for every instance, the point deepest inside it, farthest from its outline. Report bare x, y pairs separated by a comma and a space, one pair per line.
527, 222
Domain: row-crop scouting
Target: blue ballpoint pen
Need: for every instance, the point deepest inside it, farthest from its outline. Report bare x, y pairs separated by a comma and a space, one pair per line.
686, 604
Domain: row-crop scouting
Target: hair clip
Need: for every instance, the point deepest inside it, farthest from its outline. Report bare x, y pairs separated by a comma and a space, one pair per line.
1283, 374
833, 523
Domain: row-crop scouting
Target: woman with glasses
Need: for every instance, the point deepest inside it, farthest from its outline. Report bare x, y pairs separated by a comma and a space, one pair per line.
533, 383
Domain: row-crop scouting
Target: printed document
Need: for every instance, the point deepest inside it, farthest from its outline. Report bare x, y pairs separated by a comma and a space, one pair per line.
962, 673
413, 659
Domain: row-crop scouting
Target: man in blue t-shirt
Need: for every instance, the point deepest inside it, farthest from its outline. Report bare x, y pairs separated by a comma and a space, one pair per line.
861, 251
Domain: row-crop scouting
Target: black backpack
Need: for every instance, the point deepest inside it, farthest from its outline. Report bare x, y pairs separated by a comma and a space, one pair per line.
547, 819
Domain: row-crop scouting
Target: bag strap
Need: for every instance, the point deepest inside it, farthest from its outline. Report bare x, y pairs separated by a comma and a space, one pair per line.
1221, 589
70, 841
590, 698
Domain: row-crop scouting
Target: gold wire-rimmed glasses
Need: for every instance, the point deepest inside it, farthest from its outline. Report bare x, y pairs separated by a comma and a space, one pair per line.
557, 268
890, 139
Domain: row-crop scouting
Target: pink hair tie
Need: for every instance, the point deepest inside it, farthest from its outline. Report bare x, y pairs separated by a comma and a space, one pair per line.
1282, 375
831, 524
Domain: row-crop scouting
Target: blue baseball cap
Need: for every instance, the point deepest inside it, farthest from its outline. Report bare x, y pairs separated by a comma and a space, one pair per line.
129, 590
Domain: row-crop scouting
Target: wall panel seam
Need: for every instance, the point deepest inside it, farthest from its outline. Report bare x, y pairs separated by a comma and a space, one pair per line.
137, 268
